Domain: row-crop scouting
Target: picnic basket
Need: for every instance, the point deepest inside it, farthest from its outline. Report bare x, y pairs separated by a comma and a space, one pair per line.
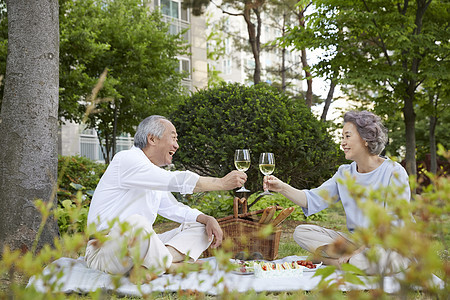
242, 232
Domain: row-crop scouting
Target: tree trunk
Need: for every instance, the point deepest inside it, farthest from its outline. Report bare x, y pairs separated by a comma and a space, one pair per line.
107, 153
323, 118
410, 130
103, 149
254, 38
29, 123
433, 156
408, 109
283, 57
114, 134
432, 130
283, 69
309, 93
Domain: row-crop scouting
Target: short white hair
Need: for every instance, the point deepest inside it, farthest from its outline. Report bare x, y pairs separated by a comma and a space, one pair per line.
150, 125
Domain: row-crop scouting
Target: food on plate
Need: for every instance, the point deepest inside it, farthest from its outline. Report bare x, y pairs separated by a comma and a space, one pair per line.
242, 266
265, 269
306, 263
271, 269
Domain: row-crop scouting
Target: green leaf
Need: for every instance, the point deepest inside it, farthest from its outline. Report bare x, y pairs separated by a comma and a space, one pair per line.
76, 186
325, 272
67, 204
352, 278
351, 268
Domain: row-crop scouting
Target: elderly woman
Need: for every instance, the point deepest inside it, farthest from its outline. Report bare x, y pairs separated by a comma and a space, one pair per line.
364, 138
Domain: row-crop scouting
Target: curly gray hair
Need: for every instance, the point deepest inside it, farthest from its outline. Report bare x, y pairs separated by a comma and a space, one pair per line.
150, 125
370, 129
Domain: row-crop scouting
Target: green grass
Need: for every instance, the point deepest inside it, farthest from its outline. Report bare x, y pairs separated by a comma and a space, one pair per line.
334, 219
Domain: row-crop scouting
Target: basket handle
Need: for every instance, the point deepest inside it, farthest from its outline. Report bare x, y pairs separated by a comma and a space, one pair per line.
235, 207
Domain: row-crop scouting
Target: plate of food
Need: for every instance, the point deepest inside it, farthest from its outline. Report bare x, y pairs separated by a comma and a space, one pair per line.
242, 267
307, 265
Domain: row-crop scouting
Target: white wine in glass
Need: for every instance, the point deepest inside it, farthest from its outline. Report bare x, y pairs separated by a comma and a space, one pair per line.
242, 163
266, 166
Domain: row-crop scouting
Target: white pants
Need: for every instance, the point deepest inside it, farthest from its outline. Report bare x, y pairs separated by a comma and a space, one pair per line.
311, 237
140, 244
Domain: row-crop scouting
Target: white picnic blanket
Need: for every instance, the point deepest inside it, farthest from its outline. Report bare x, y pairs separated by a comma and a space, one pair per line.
75, 276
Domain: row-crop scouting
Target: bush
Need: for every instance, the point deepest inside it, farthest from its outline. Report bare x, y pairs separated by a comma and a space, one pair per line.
216, 204
79, 177
213, 123
79, 170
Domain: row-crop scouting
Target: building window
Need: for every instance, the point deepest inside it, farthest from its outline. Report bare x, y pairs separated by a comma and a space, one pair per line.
170, 8
184, 66
251, 63
173, 9
90, 146
175, 15
226, 67
227, 46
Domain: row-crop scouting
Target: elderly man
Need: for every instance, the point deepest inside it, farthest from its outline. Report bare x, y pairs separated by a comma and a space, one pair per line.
134, 190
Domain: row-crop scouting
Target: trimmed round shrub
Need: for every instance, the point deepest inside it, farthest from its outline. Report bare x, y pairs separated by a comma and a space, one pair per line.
213, 123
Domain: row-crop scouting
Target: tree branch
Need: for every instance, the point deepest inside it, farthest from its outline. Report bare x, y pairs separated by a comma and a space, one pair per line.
226, 12
383, 45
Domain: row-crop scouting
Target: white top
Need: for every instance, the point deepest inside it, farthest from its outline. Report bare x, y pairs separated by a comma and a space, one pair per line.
132, 184
382, 176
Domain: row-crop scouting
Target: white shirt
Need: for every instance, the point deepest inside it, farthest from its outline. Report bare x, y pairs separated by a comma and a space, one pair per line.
386, 174
132, 184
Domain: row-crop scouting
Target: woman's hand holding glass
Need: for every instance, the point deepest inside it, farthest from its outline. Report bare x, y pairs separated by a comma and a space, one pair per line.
272, 183
266, 166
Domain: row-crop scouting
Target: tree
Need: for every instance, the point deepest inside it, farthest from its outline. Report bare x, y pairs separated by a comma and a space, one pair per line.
251, 11
299, 9
29, 122
301, 20
400, 43
260, 118
281, 17
133, 44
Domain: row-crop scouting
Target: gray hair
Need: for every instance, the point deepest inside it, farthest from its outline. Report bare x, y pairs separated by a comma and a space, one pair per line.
150, 125
370, 129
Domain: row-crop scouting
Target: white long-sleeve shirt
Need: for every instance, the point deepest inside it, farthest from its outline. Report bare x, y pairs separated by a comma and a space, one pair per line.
386, 174
132, 184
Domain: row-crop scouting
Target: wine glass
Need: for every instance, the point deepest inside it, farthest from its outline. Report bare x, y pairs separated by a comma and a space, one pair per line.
266, 166
242, 163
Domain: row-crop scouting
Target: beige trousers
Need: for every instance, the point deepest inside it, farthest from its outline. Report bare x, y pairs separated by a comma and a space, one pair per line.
141, 245
311, 237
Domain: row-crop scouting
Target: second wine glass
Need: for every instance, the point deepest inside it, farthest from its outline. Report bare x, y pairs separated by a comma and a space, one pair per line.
266, 166
242, 163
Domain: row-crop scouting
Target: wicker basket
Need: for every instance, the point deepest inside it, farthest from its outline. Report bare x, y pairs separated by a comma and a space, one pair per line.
244, 237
